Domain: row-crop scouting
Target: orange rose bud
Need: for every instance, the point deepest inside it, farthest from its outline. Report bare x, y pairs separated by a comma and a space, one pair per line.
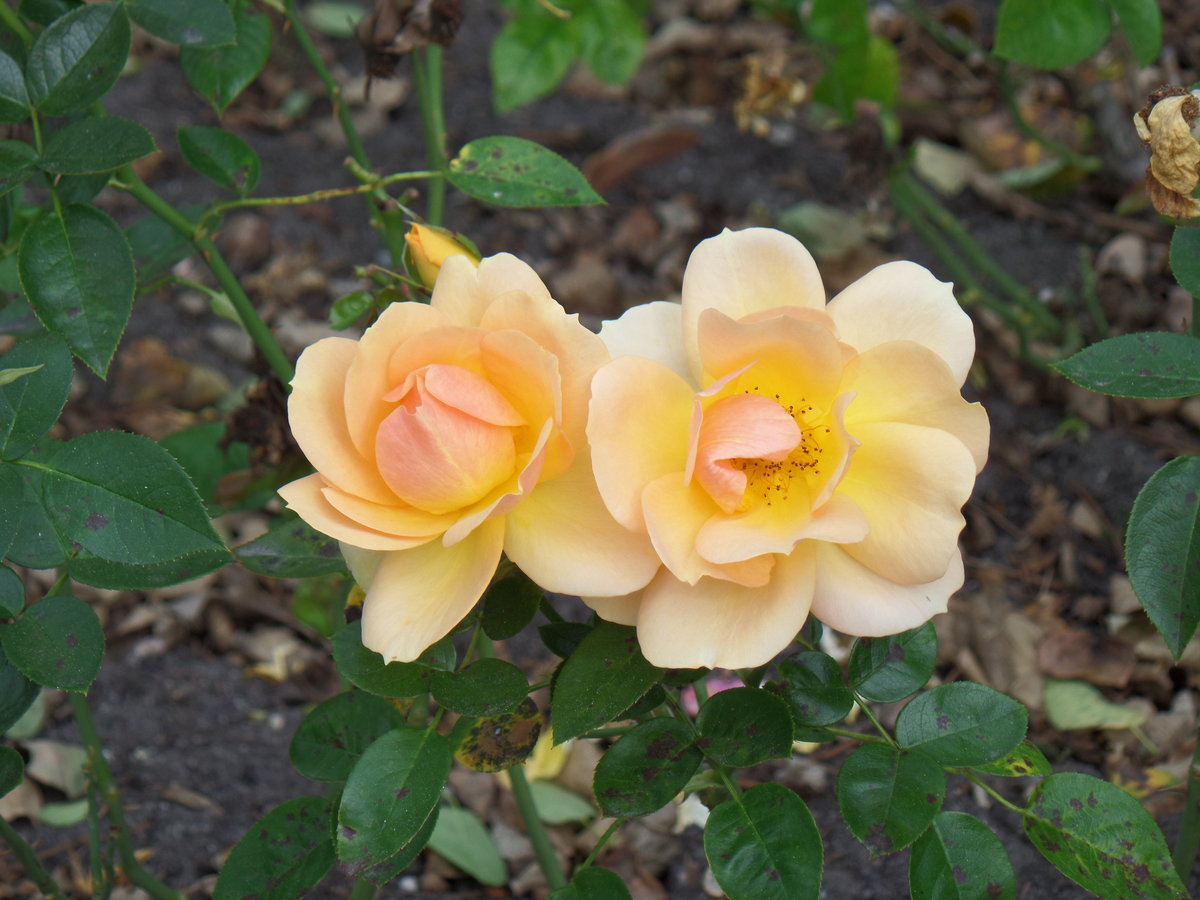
430, 246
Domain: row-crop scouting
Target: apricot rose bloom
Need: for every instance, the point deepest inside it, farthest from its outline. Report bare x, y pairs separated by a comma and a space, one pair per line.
783, 455
452, 432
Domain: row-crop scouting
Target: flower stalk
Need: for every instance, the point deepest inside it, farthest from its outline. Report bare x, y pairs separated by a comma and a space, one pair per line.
542, 849
427, 75
29, 861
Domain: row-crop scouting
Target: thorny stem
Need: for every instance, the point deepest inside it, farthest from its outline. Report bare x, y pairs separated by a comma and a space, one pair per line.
26, 857
542, 850
385, 215
247, 314
107, 789
1189, 827
427, 74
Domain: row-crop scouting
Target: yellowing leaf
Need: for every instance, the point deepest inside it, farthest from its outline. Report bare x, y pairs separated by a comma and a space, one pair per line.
1076, 704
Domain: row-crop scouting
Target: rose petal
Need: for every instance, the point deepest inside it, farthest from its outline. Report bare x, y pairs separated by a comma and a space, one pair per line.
738, 428
901, 301
852, 599
904, 382
718, 624
563, 538
401, 521
745, 272
319, 422
368, 378
675, 514
622, 609
911, 483
417, 596
638, 431
307, 497
651, 331
732, 539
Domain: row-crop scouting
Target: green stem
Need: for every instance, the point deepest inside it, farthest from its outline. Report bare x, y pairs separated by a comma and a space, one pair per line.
550, 612
25, 855
14, 23
1065, 154
107, 788
385, 216
866, 708
427, 74
1091, 295
1189, 827
542, 850
250, 319
857, 735
604, 839
312, 197
363, 890
995, 794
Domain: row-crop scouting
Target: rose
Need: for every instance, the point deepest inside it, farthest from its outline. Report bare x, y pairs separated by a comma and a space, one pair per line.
781, 455
430, 246
449, 433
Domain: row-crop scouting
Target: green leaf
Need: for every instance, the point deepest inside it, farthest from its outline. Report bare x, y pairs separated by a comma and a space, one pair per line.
291, 549
1152, 364
744, 726
812, 683
889, 796
601, 679
191, 23
612, 39
1074, 704
96, 144
962, 724
366, 668
29, 406
1051, 35
36, 544
645, 768
530, 56
334, 735
347, 309
496, 743
17, 692
1185, 259
556, 805
220, 156
509, 171
1101, 838
205, 455
12, 770
57, 642
391, 791
460, 837
14, 99
77, 271
1025, 761
44, 12
12, 590
18, 161
487, 687
509, 605
839, 23
283, 855
221, 73
87, 568
764, 845
593, 884
891, 668
959, 858
1162, 550
11, 488
403, 857
75, 61
1141, 20
125, 499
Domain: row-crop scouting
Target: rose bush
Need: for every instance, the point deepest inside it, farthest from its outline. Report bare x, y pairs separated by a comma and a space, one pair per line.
781, 455
452, 432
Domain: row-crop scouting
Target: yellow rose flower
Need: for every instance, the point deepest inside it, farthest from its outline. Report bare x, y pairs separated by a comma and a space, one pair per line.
782, 455
452, 432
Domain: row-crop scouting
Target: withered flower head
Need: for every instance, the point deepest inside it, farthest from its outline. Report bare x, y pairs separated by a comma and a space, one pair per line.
1166, 125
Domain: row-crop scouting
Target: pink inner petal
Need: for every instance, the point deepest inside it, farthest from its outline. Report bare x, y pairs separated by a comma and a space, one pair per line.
744, 426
